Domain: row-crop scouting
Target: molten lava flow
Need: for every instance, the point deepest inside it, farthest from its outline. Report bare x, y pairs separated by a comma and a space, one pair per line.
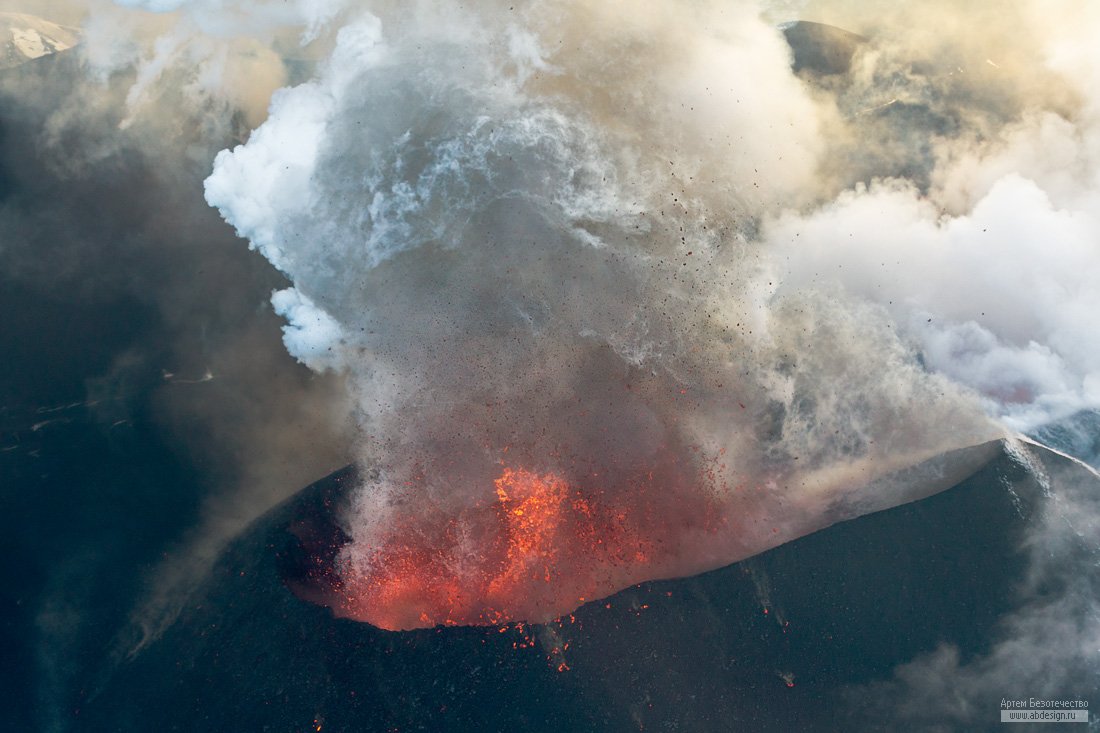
513, 558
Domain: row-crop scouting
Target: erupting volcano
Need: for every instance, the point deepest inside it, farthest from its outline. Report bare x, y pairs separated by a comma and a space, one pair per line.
643, 331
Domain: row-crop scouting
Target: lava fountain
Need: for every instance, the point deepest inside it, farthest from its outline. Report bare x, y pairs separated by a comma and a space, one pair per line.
511, 558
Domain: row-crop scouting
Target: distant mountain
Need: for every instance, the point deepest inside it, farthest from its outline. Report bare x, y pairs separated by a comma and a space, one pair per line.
28, 37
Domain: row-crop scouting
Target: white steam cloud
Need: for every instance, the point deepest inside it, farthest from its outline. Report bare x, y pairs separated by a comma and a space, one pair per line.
1000, 296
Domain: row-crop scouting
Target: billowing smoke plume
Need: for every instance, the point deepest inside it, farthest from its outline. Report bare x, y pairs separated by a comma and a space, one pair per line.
530, 237
619, 295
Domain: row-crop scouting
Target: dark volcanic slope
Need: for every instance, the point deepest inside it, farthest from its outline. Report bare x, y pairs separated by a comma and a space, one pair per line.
767, 644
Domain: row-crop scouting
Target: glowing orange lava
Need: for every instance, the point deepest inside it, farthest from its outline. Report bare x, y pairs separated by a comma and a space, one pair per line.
511, 559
